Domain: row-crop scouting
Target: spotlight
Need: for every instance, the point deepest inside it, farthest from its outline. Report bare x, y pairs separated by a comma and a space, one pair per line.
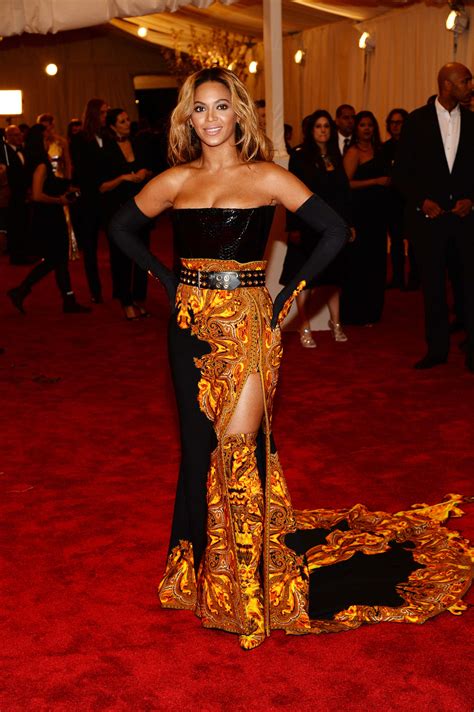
51, 69
142, 32
367, 42
300, 56
253, 66
457, 20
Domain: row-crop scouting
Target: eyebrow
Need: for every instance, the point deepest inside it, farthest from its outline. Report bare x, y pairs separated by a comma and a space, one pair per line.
212, 102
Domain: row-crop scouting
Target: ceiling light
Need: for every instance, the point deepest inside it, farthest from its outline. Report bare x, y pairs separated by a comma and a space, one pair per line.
142, 32
299, 56
457, 20
253, 66
51, 69
367, 42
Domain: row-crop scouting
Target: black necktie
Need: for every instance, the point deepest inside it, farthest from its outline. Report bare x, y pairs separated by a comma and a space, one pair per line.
346, 145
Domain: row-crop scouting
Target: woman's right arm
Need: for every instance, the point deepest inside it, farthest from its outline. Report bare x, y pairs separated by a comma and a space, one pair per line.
109, 185
37, 194
136, 214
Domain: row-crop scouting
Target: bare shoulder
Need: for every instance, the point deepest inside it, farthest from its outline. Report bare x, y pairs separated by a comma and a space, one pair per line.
270, 175
352, 152
281, 186
266, 170
169, 182
160, 193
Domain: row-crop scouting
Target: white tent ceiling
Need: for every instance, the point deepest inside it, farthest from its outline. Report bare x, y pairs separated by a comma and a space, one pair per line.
238, 16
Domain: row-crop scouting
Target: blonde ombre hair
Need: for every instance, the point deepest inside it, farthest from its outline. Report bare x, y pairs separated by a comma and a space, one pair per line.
250, 140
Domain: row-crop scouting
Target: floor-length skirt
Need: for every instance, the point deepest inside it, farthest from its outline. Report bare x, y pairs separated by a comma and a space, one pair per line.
240, 556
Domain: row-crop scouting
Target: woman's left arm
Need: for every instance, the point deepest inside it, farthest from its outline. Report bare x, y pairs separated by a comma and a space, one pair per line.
322, 219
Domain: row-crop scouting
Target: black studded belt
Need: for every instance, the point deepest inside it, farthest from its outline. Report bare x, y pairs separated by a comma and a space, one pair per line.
222, 280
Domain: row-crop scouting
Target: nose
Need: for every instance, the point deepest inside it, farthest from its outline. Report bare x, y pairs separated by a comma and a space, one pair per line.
211, 114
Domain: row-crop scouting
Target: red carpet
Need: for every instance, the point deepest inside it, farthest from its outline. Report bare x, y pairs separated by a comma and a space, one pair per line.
89, 460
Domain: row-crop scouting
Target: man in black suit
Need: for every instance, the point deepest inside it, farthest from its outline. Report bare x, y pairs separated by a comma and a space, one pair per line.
17, 212
345, 116
434, 170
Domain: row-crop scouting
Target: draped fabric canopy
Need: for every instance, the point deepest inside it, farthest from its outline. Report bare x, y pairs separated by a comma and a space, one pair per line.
239, 16
42, 16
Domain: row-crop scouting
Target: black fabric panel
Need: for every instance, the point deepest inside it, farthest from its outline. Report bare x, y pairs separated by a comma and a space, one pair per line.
198, 440
366, 580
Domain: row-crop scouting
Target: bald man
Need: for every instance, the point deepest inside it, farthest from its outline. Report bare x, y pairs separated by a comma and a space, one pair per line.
434, 170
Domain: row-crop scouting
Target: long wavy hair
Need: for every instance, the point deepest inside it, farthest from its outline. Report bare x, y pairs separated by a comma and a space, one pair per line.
91, 119
184, 145
376, 142
310, 148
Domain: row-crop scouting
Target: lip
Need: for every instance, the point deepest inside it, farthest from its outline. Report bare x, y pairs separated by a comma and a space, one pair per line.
213, 130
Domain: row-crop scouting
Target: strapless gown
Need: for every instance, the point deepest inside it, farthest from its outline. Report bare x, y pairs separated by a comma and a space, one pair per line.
241, 558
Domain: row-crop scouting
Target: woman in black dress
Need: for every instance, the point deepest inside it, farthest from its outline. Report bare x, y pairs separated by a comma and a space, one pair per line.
123, 173
318, 164
241, 558
49, 227
364, 285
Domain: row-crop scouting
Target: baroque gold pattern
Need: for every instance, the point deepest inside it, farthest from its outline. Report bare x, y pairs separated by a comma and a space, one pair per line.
246, 527
446, 557
177, 588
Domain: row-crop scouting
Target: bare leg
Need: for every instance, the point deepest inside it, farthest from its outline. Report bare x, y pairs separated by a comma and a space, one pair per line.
333, 306
248, 413
334, 322
306, 337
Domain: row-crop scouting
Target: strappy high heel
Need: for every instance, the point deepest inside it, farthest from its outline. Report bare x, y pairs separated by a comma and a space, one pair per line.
306, 338
337, 331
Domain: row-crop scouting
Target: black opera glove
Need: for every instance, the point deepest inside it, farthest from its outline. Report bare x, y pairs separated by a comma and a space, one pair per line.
123, 229
334, 234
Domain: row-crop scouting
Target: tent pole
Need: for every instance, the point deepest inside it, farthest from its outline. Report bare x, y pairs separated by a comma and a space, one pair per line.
273, 53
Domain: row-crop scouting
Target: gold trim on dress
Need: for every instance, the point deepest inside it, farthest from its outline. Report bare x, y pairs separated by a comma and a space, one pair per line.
246, 527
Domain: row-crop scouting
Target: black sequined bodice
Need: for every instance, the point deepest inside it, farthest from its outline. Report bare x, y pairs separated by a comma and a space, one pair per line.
222, 233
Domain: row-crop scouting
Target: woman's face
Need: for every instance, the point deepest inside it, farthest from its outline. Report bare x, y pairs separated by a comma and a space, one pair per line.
122, 124
213, 117
365, 129
322, 130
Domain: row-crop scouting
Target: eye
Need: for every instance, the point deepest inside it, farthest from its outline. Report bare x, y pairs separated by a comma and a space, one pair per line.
199, 108
223, 106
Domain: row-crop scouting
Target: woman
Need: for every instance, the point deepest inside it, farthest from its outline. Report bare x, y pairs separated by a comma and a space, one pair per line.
318, 165
123, 173
57, 147
364, 285
49, 227
236, 558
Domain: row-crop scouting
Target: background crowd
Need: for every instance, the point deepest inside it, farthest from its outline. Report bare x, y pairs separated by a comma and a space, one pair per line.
57, 194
